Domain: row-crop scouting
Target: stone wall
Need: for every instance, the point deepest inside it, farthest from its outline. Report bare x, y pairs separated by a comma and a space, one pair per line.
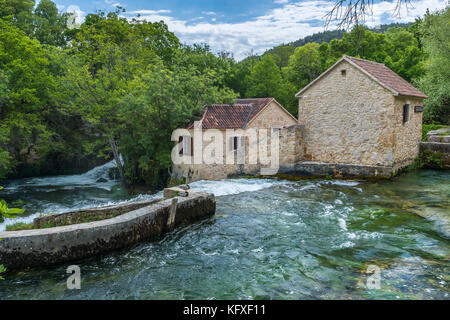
30, 248
88, 215
440, 147
290, 151
408, 135
272, 115
351, 119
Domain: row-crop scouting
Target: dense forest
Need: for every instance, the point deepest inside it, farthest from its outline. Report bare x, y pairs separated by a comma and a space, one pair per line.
71, 98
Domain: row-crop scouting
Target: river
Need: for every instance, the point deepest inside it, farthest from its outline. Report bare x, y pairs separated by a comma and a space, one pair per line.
269, 239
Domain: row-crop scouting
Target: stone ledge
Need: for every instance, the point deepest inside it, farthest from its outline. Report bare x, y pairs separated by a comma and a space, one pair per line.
88, 215
41, 247
311, 169
443, 148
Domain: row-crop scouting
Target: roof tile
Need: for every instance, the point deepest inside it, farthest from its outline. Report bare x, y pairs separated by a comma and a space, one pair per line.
387, 77
232, 116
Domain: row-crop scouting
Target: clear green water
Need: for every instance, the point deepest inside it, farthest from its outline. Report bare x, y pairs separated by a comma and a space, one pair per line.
269, 240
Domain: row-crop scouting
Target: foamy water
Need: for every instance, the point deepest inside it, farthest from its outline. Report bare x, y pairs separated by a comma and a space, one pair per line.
269, 239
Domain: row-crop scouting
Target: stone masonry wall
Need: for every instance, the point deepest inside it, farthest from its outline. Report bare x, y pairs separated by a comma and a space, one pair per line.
290, 152
351, 119
271, 116
408, 135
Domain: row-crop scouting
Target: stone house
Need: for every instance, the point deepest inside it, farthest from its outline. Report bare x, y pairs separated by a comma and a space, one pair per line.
239, 118
358, 118
360, 112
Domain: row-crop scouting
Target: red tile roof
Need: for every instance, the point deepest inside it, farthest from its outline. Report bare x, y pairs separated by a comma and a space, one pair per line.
231, 116
387, 77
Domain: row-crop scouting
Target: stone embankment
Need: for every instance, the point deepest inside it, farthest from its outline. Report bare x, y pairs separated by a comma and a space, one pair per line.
438, 141
144, 222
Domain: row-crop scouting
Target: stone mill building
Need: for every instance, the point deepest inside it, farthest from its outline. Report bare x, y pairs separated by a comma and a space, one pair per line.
357, 119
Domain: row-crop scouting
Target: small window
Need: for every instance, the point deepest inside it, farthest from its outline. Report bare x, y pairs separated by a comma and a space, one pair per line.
343, 72
180, 145
405, 113
186, 147
275, 129
237, 142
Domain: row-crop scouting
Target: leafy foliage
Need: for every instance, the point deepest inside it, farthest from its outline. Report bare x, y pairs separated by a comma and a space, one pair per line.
435, 30
6, 212
70, 99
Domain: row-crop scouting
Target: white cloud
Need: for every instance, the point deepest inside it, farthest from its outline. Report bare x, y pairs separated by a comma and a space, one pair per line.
149, 12
209, 13
79, 14
280, 25
113, 3
280, 1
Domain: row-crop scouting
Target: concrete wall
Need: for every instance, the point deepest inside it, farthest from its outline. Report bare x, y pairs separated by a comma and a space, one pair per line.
351, 119
20, 249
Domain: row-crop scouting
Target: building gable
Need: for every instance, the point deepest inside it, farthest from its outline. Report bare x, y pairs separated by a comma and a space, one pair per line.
378, 72
273, 114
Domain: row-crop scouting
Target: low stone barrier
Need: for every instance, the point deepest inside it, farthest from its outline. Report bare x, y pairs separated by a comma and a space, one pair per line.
41, 247
88, 215
442, 148
318, 169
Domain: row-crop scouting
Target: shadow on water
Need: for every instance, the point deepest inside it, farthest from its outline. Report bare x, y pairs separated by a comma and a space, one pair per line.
270, 240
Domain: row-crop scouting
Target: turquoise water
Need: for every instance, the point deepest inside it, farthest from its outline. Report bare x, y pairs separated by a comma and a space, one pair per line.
268, 240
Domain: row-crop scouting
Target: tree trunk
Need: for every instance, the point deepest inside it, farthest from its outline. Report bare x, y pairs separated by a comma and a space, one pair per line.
115, 151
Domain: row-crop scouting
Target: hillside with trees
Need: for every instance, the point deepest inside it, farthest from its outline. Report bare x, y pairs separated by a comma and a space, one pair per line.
116, 88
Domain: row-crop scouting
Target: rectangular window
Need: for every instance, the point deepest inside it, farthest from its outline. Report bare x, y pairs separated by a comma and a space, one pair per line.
405, 113
237, 142
186, 147
275, 129
180, 145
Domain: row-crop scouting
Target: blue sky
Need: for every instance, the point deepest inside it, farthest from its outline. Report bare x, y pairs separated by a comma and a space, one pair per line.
239, 26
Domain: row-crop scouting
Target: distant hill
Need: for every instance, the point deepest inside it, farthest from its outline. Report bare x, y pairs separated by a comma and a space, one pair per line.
284, 51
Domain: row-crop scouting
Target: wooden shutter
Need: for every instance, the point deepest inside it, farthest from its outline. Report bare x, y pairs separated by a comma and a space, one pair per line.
180, 145
405, 113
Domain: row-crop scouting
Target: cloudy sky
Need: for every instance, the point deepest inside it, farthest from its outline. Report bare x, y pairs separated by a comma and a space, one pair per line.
239, 26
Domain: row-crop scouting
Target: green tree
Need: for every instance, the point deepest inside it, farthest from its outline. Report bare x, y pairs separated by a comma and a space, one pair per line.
18, 12
6, 212
304, 65
435, 83
265, 78
403, 53
28, 87
161, 101
107, 53
50, 27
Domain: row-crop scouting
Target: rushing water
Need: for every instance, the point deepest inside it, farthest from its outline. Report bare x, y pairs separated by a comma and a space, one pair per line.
268, 240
